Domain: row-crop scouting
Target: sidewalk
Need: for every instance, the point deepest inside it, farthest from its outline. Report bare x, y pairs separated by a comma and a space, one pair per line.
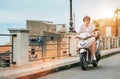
37, 68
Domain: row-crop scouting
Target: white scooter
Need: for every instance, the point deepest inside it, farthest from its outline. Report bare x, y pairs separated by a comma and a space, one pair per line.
85, 51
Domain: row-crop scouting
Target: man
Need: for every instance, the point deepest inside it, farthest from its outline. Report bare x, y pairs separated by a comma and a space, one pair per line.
90, 28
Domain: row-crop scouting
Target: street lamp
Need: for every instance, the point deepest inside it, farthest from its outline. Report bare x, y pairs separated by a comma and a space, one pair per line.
116, 13
71, 28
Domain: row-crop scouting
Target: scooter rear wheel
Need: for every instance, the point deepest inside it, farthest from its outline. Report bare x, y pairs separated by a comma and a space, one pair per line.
95, 64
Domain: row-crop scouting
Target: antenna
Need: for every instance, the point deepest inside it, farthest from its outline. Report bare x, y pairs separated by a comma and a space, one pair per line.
74, 20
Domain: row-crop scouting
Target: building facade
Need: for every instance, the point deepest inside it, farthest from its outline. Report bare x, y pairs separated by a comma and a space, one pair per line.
38, 27
108, 27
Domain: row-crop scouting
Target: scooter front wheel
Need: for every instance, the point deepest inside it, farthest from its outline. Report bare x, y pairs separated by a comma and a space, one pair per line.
83, 62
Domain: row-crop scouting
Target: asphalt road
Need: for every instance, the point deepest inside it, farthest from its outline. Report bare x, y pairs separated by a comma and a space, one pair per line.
108, 68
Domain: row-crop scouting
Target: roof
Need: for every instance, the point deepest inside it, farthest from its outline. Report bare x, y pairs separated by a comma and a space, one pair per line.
42, 21
5, 48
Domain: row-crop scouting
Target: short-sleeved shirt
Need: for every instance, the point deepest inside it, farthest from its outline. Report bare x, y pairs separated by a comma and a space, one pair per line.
88, 29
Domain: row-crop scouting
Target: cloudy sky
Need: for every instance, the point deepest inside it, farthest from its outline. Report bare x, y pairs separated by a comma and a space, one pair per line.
14, 13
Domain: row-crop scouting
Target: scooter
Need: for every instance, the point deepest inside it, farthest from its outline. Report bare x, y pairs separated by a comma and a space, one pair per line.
85, 51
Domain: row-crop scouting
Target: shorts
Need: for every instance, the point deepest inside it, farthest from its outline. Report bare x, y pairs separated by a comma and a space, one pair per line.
89, 40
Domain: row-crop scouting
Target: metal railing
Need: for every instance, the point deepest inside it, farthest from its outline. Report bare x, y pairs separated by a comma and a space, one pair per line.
107, 43
47, 47
6, 53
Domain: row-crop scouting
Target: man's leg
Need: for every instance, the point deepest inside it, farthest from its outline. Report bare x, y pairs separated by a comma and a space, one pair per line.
94, 49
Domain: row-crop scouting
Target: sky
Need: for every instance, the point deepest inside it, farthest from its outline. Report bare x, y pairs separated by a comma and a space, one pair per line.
14, 13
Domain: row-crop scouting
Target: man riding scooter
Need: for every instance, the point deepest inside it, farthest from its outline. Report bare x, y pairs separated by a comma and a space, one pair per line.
89, 28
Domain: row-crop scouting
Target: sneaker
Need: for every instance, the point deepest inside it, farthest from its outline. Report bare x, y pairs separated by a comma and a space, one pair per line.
94, 58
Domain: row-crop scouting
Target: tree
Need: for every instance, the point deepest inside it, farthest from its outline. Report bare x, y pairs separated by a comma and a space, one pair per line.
96, 23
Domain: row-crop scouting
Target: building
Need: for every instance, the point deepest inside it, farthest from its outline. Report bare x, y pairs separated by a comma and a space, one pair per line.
52, 31
4, 55
107, 26
37, 27
61, 29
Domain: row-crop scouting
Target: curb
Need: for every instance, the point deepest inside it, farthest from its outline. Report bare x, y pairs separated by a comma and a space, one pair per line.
61, 68
40, 74
108, 53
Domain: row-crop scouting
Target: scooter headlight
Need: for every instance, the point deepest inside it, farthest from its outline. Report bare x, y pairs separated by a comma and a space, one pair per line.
82, 50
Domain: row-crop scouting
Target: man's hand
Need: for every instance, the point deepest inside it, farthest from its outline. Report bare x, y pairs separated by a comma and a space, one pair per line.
96, 34
76, 36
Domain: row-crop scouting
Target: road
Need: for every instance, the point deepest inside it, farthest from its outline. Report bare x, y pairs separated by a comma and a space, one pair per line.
108, 68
